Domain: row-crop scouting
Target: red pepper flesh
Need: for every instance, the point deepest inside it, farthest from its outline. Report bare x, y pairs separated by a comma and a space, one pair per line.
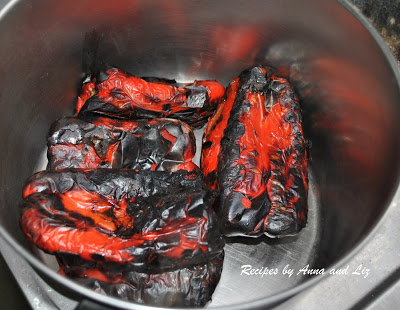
148, 219
254, 153
121, 95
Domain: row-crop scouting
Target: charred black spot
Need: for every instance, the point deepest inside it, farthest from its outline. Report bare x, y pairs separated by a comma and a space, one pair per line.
166, 107
102, 76
153, 79
207, 144
98, 257
291, 117
277, 86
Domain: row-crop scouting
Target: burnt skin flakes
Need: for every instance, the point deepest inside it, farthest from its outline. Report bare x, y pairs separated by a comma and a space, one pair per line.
98, 142
268, 196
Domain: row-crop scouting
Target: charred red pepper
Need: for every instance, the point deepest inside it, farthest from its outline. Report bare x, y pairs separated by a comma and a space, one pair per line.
158, 144
148, 219
121, 95
190, 286
254, 152
143, 228
149, 237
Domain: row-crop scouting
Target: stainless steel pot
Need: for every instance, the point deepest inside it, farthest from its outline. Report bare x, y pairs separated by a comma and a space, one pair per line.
346, 78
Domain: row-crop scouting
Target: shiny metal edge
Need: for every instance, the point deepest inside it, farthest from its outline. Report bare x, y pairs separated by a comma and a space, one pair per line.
258, 304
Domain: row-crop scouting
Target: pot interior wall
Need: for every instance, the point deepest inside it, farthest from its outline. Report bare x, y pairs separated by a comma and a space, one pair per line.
348, 92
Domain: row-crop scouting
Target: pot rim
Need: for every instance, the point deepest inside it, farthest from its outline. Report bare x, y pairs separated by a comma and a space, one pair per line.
257, 304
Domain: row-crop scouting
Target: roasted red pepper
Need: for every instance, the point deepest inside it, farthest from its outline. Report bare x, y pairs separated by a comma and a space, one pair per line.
159, 144
149, 237
148, 219
254, 152
121, 95
139, 226
190, 286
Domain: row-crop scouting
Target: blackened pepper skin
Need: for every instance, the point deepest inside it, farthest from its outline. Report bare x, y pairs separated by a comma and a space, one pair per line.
254, 152
189, 286
121, 95
151, 220
158, 144
148, 237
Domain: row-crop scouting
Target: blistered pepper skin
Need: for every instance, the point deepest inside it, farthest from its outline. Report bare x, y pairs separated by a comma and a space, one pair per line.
189, 286
121, 95
254, 153
157, 145
149, 219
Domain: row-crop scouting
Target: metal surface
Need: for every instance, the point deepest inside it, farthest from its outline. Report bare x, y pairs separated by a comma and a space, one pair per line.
38, 293
375, 290
348, 89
